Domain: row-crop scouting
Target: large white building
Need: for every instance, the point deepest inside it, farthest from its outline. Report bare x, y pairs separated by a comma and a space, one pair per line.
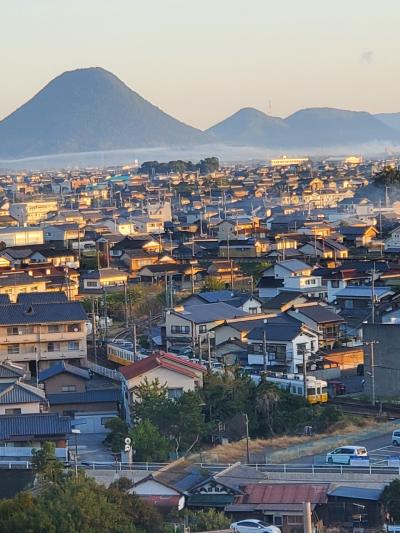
21, 236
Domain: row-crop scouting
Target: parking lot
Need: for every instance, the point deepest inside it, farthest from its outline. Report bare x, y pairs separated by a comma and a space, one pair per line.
379, 456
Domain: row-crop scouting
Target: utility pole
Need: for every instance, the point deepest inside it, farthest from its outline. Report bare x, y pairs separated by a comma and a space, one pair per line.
192, 276
307, 517
265, 346
134, 339
94, 340
231, 262
126, 306
209, 350
200, 350
371, 345
305, 374
246, 418
373, 295
105, 315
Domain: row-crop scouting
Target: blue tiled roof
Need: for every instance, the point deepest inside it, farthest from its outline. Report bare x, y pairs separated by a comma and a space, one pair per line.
90, 396
61, 367
41, 297
35, 425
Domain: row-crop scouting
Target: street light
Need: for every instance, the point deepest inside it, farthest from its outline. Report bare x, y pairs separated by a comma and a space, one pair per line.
76, 432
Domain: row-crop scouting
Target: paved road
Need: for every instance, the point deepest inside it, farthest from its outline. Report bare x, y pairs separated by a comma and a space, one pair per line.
379, 449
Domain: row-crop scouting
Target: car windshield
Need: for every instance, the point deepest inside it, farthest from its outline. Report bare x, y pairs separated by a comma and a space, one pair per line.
264, 524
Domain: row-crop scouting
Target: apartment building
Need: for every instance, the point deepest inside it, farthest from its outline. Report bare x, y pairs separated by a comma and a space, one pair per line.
42, 328
31, 213
21, 236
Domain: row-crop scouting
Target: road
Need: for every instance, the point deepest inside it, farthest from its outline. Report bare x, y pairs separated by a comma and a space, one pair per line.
379, 449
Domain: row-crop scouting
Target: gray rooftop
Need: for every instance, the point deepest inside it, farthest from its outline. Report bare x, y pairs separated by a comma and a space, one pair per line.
204, 313
36, 313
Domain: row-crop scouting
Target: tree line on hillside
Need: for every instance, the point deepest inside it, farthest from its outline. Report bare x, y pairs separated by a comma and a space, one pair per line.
204, 167
165, 427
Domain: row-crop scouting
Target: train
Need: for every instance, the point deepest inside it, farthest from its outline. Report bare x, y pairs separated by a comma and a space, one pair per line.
317, 389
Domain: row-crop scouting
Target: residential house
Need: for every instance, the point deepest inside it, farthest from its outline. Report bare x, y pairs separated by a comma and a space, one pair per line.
242, 248
62, 235
180, 375
322, 320
56, 257
281, 342
40, 329
280, 504
230, 229
358, 235
284, 301
193, 324
100, 279
14, 283
143, 244
336, 279
21, 433
224, 270
246, 302
146, 225
159, 494
20, 398
182, 275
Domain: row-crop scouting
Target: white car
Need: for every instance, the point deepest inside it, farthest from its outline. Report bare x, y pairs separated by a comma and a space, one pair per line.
344, 454
396, 437
253, 526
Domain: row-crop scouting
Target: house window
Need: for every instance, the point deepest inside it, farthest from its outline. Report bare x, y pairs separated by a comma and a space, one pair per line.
180, 329
53, 328
53, 346
91, 283
301, 348
202, 328
13, 349
68, 388
335, 284
294, 520
12, 331
174, 394
73, 346
253, 310
13, 411
278, 520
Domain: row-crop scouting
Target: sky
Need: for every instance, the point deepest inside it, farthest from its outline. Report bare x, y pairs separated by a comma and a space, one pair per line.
202, 60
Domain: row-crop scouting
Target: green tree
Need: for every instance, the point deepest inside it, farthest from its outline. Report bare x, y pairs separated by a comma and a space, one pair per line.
209, 520
391, 500
45, 462
118, 432
212, 283
78, 505
187, 427
148, 443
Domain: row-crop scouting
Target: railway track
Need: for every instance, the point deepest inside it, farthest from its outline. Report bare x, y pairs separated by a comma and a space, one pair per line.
381, 409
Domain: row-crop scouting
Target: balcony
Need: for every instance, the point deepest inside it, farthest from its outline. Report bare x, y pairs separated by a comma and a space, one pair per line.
33, 338
42, 356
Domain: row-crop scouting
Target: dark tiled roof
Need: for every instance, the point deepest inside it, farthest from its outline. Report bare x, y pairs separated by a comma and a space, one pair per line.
41, 313
319, 314
90, 396
35, 425
63, 367
280, 328
14, 393
283, 298
4, 299
41, 297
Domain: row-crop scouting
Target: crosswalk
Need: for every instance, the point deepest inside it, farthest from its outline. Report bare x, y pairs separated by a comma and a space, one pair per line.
380, 456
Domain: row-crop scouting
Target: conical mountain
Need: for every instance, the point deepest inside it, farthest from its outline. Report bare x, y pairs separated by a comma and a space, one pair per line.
87, 110
251, 127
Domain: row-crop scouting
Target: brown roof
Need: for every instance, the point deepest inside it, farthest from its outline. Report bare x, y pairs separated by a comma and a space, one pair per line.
283, 493
161, 359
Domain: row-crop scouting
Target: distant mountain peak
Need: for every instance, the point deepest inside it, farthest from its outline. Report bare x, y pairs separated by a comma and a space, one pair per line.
90, 109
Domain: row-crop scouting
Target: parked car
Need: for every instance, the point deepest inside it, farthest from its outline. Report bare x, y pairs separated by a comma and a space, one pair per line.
396, 437
344, 454
253, 526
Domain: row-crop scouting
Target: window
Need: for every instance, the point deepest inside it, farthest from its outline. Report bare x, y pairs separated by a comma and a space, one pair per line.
13, 411
73, 345
53, 346
180, 329
68, 388
91, 283
12, 331
73, 328
253, 310
278, 520
295, 520
335, 284
53, 328
13, 348
202, 328
174, 394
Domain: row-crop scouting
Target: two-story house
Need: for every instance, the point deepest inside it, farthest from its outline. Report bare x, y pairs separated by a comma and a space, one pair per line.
321, 320
281, 343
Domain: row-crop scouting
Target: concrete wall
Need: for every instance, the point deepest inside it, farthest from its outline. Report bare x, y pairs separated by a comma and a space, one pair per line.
386, 359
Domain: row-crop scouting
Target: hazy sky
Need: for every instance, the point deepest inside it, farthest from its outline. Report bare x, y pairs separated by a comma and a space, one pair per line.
201, 60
